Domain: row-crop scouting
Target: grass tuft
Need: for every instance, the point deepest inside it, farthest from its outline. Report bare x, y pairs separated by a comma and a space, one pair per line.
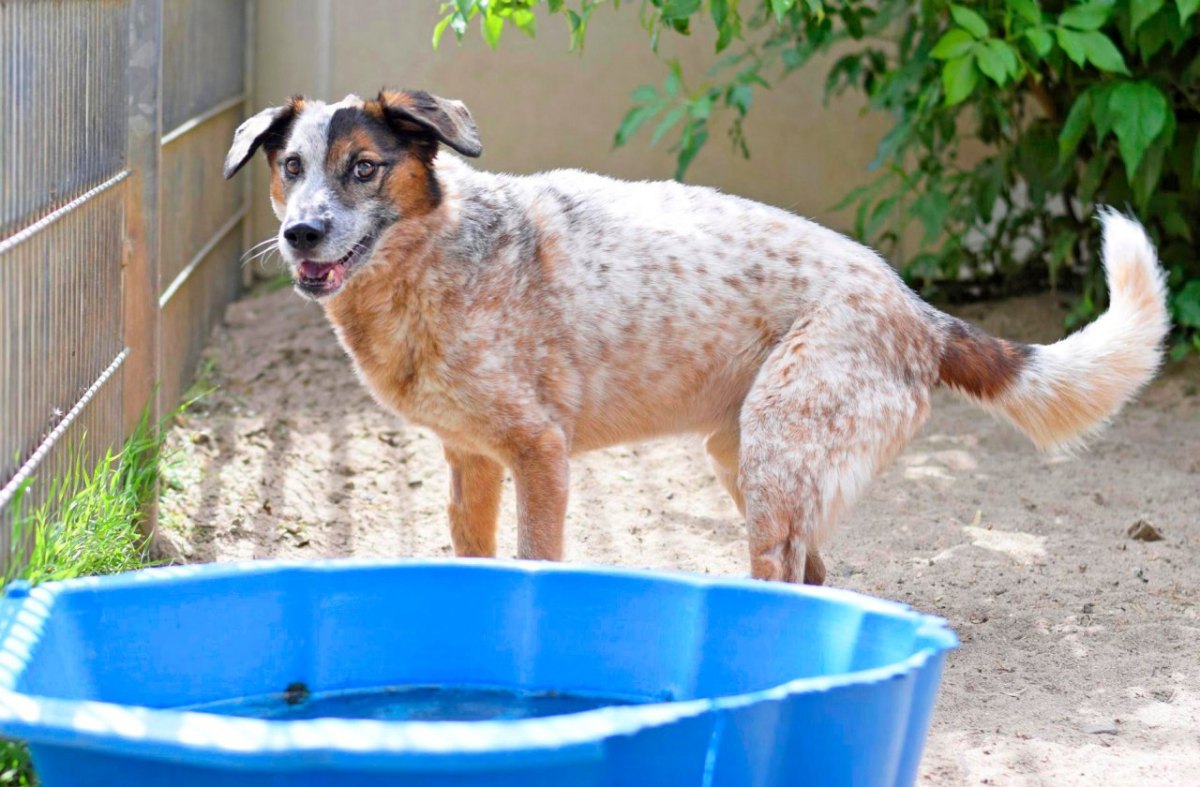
90, 523
91, 520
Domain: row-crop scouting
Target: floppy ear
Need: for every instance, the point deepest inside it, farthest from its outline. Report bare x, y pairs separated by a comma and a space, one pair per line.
262, 128
446, 119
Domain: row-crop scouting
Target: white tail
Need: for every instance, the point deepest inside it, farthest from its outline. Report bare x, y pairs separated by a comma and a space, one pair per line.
1059, 394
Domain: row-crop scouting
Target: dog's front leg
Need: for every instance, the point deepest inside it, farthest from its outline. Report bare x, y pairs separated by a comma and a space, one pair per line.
474, 509
541, 474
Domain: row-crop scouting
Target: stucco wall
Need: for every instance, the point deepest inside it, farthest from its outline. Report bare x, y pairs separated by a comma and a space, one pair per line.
540, 107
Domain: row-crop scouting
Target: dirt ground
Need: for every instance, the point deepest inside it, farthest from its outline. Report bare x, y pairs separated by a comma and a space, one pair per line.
1080, 657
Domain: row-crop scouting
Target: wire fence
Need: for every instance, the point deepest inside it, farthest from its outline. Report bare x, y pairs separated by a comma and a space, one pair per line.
119, 239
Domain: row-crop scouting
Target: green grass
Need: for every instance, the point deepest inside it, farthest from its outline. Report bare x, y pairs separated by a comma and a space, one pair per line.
91, 520
15, 767
90, 523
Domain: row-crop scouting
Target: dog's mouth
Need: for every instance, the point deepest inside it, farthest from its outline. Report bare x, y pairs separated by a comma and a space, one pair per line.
318, 279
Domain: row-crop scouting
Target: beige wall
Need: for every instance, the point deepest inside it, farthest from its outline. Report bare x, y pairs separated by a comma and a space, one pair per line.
539, 106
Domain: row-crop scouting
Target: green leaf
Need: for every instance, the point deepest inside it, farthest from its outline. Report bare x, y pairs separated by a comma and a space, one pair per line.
997, 60
1093, 177
781, 7
1061, 247
634, 119
967, 19
859, 192
1139, 112
959, 78
1035, 157
1090, 16
1173, 220
701, 107
954, 43
1075, 126
673, 10
1145, 180
1040, 39
554, 6
441, 29
931, 208
694, 137
1196, 163
1141, 10
1186, 9
1028, 9
644, 94
674, 80
726, 21
493, 26
1102, 115
578, 27
1186, 304
880, 215
525, 20
1103, 53
893, 144
1072, 43
1008, 54
1154, 35
740, 97
989, 182
667, 123
991, 64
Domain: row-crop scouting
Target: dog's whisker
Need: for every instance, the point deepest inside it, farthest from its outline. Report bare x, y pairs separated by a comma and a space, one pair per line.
257, 246
263, 255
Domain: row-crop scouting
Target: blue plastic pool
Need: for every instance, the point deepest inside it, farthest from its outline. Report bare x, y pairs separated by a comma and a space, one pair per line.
462, 673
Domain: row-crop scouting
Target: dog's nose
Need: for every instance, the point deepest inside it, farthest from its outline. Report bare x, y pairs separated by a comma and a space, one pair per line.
304, 235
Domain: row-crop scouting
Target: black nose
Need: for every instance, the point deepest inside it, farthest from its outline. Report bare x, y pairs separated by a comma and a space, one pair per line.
303, 235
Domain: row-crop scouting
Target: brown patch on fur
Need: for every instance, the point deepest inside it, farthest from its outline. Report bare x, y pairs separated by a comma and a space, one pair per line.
814, 568
978, 364
343, 146
276, 177
411, 188
546, 253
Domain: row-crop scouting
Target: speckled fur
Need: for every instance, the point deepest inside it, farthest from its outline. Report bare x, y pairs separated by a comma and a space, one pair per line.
524, 319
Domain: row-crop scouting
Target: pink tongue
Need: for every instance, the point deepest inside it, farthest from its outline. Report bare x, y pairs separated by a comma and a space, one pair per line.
318, 271
315, 270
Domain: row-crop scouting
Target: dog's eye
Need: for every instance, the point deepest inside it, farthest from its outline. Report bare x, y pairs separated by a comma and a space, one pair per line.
365, 170
293, 166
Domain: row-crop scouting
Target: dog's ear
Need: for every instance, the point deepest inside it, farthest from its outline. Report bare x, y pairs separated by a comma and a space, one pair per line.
268, 127
445, 119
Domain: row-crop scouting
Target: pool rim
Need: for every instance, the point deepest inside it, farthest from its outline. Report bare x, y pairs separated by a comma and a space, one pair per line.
215, 741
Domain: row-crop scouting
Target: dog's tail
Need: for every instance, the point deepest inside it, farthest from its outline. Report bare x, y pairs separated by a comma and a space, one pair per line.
1061, 393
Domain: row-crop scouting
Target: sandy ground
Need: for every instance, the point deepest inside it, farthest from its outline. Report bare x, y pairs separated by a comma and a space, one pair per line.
1080, 657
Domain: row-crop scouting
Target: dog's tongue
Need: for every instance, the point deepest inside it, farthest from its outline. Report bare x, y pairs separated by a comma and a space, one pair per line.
315, 270
329, 272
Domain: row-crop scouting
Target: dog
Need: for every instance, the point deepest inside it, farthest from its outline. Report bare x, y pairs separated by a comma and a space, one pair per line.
525, 319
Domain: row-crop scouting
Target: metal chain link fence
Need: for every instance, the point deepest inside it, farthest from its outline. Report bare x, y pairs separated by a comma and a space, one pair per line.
119, 239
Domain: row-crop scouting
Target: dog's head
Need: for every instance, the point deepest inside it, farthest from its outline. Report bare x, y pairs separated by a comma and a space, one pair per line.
342, 173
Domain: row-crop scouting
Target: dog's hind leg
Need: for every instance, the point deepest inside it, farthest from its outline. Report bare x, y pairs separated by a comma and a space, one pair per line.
722, 446
474, 509
832, 405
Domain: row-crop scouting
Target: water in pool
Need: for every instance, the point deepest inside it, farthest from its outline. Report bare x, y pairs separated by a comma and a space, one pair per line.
412, 703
